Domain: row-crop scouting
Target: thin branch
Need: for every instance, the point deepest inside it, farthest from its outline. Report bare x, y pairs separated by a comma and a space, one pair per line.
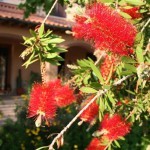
116, 4
99, 93
49, 11
131, 113
121, 80
43, 71
148, 21
74, 119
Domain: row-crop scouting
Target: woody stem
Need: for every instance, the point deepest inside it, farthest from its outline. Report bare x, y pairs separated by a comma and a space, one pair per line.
100, 93
43, 71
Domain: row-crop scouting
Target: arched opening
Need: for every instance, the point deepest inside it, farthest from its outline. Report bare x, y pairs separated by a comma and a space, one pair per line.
75, 52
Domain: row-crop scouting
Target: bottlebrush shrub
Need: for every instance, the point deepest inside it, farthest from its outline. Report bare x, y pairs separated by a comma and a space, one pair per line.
115, 88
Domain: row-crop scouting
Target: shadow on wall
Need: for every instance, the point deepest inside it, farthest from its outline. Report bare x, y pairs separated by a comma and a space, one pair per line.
74, 53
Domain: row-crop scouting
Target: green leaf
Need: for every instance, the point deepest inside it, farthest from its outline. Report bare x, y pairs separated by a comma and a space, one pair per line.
24, 38
127, 72
33, 33
112, 100
59, 58
101, 106
138, 37
29, 41
107, 1
51, 55
117, 144
95, 85
85, 80
53, 62
28, 62
122, 138
56, 40
132, 118
58, 50
135, 2
126, 59
130, 67
83, 63
88, 90
107, 87
97, 72
125, 15
41, 30
131, 92
109, 148
139, 54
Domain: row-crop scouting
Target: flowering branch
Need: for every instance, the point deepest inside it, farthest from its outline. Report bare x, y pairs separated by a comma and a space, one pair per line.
99, 93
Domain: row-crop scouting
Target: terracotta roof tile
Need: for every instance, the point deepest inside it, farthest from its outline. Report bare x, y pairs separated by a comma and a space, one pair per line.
10, 11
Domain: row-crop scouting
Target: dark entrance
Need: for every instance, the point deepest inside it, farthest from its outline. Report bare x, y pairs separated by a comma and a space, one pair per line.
4, 69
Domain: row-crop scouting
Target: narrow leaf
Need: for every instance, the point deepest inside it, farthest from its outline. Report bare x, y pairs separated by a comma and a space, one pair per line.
41, 30
51, 55
117, 144
139, 54
125, 15
97, 72
135, 2
88, 90
130, 92
130, 67
126, 59
56, 41
111, 99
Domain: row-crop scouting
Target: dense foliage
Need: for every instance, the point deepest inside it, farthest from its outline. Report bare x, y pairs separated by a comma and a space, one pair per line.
114, 89
28, 137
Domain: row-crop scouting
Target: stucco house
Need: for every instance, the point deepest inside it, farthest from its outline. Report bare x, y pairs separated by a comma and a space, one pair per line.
13, 27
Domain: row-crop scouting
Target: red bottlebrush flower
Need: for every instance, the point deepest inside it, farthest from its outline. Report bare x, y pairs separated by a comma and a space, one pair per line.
133, 12
46, 97
91, 112
64, 96
42, 104
114, 127
96, 144
108, 65
106, 29
119, 103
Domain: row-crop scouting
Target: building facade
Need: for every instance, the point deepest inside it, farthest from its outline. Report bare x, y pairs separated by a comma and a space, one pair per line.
13, 27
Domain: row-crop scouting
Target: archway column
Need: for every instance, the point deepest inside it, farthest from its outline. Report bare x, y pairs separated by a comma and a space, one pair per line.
51, 72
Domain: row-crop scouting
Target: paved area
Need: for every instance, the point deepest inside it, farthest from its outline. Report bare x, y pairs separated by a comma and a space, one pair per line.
8, 106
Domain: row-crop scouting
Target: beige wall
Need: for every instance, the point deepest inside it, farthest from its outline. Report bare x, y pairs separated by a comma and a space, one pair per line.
12, 35
16, 62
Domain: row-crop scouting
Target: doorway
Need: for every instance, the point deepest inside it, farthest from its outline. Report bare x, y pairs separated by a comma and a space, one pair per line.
4, 69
